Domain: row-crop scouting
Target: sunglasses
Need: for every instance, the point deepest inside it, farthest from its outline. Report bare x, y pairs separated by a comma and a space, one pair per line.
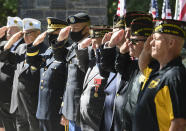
134, 41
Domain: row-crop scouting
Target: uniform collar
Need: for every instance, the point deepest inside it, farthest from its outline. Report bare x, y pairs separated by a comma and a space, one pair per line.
174, 62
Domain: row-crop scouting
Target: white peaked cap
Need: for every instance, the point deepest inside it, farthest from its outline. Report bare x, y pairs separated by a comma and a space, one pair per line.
14, 21
29, 23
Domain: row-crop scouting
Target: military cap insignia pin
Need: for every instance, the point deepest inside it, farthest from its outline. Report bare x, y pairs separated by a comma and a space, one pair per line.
72, 19
15, 21
31, 24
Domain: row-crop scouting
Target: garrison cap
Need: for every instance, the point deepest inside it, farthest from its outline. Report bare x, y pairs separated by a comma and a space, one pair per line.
14, 21
78, 18
142, 26
30, 23
97, 31
130, 16
168, 26
54, 24
118, 22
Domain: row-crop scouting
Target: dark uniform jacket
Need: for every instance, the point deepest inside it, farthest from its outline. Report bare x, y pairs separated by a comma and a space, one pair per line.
93, 96
25, 84
126, 90
74, 86
52, 68
6, 76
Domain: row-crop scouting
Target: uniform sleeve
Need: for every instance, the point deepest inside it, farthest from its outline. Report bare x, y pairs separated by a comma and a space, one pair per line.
122, 63
177, 89
32, 56
8, 56
83, 58
60, 50
107, 58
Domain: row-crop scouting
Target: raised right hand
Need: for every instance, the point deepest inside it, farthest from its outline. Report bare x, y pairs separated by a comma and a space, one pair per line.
3, 31
124, 48
106, 37
116, 38
63, 34
39, 39
13, 39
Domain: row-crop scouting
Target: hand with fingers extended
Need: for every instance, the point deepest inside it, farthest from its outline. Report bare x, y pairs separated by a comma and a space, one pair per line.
64, 33
3, 31
147, 46
39, 39
85, 43
64, 121
13, 39
116, 38
124, 48
106, 37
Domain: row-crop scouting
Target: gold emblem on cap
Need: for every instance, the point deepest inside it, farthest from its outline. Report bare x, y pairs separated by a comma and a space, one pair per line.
15, 21
49, 21
72, 20
31, 24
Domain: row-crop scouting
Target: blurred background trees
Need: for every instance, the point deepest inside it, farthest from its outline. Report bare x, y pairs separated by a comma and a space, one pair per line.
7, 8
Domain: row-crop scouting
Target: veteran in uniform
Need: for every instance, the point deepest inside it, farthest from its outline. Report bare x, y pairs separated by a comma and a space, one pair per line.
78, 31
110, 88
14, 25
52, 66
125, 68
161, 103
93, 96
25, 85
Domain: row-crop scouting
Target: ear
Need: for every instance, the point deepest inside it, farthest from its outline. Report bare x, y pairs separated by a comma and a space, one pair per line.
86, 30
171, 43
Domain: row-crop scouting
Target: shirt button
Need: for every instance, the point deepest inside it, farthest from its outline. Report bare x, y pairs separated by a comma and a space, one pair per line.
42, 87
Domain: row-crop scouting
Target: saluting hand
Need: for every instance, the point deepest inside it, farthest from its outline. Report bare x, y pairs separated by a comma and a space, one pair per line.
116, 38
106, 37
147, 46
39, 39
63, 34
124, 48
3, 31
13, 39
85, 43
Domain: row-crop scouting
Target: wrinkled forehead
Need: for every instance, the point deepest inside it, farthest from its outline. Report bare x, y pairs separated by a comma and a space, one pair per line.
14, 28
159, 36
31, 30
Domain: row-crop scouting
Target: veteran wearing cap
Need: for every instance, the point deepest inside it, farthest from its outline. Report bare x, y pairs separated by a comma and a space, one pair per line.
78, 31
14, 25
52, 66
93, 96
161, 102
25, 85
108, 60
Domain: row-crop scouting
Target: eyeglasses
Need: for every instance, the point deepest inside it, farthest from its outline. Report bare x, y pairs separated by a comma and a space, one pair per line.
134, 41
28, 33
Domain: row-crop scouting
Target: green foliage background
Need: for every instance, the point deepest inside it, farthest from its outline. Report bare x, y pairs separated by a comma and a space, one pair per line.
10, 8
135, 5
7, 8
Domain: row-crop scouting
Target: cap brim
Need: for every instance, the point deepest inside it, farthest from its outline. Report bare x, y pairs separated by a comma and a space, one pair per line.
51, 30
